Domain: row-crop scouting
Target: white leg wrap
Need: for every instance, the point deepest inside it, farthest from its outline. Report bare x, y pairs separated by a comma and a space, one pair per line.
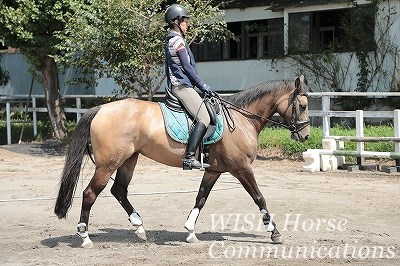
191, 221
270, 227
82, 230
83, 233
135, 219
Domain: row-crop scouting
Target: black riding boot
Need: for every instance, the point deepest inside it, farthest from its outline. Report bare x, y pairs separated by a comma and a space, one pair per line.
197, 134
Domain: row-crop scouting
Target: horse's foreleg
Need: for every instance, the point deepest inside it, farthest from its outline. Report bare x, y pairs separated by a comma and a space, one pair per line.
206, 185
120, 192
246, 178
94, 188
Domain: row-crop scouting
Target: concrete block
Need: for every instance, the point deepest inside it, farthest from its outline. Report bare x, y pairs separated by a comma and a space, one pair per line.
329, 144
391, 170
333, 161
340, 145
325, 163
311, 160
353, 168
369, 167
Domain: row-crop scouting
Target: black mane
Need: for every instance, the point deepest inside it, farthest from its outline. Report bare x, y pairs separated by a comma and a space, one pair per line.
245, 97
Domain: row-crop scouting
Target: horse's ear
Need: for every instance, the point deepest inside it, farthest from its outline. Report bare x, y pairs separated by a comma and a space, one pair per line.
298, 82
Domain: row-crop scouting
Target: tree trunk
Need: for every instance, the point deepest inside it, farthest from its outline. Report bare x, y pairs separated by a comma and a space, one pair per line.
51, 89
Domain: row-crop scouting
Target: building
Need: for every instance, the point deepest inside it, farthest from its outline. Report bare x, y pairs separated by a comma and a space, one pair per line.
266, 32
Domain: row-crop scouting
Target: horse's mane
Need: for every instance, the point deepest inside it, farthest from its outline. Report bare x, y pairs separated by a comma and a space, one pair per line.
245, 97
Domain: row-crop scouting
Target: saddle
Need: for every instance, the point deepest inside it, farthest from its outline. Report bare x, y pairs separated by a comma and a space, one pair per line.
178, 122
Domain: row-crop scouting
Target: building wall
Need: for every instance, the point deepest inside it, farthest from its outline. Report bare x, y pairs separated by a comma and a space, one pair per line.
230, 75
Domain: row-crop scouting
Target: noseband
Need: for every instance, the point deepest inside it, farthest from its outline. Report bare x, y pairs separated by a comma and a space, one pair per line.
296, 126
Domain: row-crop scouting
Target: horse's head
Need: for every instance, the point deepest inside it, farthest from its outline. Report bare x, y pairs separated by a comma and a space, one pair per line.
293, 108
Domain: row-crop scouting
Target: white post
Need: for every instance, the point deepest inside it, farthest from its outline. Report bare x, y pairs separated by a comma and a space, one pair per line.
34, 117
360, 134
326, 121
8, 115
396, 124
78, 106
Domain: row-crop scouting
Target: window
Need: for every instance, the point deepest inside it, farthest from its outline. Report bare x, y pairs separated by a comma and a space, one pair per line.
253, 39
342, 30
209, 51
233, 48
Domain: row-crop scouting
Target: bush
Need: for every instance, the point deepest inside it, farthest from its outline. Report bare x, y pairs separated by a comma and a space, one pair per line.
279, 139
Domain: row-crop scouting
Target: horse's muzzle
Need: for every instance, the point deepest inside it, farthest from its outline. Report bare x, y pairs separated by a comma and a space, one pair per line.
300, 130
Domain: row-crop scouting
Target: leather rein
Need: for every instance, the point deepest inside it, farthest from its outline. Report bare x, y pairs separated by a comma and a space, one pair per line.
295, 126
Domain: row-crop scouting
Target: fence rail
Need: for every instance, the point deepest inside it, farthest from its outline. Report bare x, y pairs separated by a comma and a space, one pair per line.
325, 113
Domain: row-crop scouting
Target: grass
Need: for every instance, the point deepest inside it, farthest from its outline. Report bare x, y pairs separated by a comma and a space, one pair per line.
279, 139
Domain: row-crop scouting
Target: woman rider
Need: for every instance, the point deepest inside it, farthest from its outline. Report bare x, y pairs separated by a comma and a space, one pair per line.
182, 77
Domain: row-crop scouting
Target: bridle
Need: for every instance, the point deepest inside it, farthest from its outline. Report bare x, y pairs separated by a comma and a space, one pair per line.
294, 126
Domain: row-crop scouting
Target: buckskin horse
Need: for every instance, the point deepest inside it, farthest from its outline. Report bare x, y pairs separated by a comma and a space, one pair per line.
119, 131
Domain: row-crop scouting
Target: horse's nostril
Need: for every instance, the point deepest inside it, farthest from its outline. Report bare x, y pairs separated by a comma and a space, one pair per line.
306, 137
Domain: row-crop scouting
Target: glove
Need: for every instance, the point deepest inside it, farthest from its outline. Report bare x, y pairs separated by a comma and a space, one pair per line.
206, 89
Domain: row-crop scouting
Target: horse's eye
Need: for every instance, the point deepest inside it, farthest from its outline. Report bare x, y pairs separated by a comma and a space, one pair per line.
303, 107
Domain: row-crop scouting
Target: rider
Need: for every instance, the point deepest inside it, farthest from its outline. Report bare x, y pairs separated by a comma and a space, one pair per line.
182, 77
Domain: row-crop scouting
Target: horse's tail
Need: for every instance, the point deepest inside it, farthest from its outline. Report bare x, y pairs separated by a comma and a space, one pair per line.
73, 162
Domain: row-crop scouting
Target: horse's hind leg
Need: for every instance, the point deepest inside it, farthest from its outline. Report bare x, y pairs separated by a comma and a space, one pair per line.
94, 188
206, 185
246, 178
120, 192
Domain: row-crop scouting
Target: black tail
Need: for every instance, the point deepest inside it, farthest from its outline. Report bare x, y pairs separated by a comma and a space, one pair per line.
73, 162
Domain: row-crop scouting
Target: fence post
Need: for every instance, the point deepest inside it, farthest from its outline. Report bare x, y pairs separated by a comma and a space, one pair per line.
78, 106
8, 117
360, 134
326, 121
396, 124
34, 117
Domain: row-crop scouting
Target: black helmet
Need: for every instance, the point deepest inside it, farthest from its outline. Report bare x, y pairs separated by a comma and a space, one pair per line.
175, 11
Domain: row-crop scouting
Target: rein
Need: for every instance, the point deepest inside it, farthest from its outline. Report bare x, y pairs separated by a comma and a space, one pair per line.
294, 126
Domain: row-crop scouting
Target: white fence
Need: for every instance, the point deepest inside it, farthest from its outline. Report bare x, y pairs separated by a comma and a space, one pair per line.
325, 113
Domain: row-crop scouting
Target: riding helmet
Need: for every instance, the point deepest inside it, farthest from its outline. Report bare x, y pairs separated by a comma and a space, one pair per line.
175, 12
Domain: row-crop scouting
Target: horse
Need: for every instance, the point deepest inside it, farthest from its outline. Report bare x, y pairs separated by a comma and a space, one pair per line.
119, 131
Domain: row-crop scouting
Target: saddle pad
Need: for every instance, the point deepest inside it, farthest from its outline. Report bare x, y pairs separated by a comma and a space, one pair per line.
177, 126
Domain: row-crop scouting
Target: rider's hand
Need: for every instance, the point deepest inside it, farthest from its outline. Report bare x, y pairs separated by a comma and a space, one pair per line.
206, 89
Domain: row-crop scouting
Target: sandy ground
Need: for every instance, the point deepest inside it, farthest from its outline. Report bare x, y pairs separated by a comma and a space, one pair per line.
336, 217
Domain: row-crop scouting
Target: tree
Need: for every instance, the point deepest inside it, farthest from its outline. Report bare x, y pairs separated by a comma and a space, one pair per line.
373, 55
124, 39
30, 25
4, 75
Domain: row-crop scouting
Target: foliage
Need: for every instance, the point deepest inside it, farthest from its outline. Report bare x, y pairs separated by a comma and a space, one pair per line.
125, 39
374, 58
30, 26
4, 75
279, 138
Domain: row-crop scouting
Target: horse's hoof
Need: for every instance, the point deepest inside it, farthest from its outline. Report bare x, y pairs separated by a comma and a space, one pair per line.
87, 243
277, 239
140, 233
192, 238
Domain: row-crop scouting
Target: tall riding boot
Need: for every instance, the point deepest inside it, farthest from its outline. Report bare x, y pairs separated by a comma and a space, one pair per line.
197, 134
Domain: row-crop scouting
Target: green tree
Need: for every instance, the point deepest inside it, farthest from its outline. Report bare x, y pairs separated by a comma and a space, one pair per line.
30, 25
124, 39
4, 76
374, 55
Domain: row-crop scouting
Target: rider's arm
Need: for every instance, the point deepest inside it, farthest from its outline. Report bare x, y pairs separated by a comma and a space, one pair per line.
189, 70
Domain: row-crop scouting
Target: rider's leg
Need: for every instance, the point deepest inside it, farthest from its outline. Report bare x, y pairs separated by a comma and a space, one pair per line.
194, 105
197, 134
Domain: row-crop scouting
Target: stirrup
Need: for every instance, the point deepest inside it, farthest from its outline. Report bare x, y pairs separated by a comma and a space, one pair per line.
190, 164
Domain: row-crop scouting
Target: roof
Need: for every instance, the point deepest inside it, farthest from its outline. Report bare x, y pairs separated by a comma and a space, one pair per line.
276, 5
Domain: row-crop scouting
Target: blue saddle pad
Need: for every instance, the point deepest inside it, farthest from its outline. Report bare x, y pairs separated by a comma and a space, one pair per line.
177, 126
